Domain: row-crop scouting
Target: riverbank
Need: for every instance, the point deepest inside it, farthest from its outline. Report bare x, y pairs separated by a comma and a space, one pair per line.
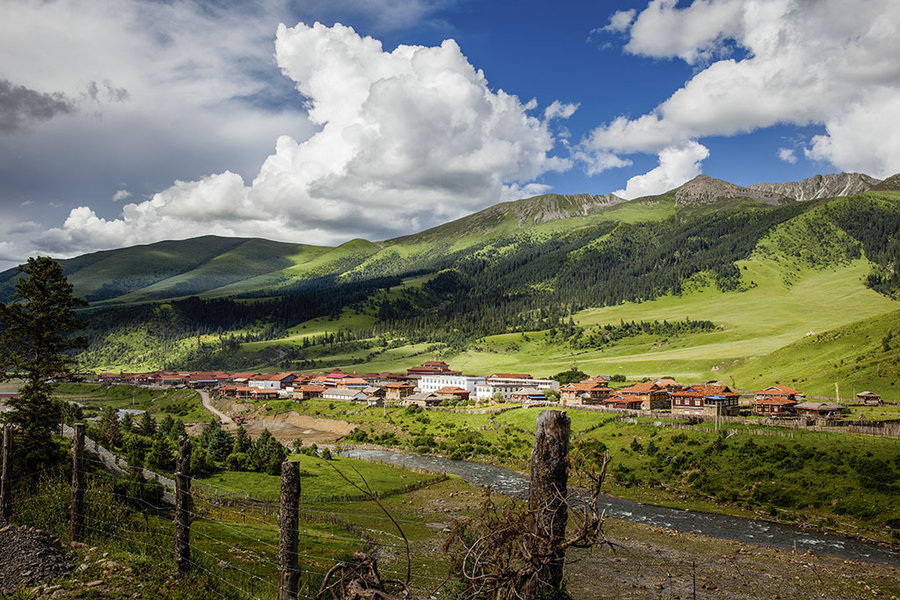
738, 529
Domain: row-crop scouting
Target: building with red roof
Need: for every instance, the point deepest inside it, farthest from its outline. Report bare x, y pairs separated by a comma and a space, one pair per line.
707, 400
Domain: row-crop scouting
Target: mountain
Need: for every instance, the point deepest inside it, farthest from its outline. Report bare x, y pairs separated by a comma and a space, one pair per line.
892, 183
704, 189
820, 186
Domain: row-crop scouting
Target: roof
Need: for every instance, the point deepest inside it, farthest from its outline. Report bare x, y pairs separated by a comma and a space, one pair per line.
451, 389
773, 401
273, 376
868, 394
779, 390
354, 381
511, 376
820, 406
423, 396
399, 384
529, 391
584, 386
310, 388
345, 393
702, 391
643, 387
667, 381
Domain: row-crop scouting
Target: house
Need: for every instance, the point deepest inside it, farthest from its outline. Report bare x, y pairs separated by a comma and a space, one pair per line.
398, 390
708, 400
308, 391
528, 394
432, 383
264, 394
820, 409
779, 391
451, 392
584, 392
507, 386
422, 399
670, 384
772, 406
273, 381
375, 395
652, 395
172, 379
624, 401
202, 380
352, 383
344, 394
868, 398
431, 367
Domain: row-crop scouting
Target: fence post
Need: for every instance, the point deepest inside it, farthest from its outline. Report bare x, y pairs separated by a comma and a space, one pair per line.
76, 513
183, 506
288, 531
547, 500
5, 491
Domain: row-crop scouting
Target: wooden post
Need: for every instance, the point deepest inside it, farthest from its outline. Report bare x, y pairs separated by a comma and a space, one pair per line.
5, 491
289, 531
547, 500
183, 507
76, 512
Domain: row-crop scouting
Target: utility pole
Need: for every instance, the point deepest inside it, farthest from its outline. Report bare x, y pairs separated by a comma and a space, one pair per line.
5, 491
289, 531
76, 516
183, 507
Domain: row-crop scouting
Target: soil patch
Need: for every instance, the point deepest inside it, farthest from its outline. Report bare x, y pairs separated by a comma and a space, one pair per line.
291, 426
29, 556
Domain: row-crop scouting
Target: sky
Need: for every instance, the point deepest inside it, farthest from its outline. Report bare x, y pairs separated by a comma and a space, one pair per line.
126, 122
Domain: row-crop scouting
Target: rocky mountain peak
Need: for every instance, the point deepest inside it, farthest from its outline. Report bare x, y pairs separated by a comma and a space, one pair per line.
819, 186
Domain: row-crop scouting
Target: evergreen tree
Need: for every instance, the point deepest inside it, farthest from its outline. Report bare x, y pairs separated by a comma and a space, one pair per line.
241, 443
162, 453
110, 435
267, 453
127, 422
147, 425
36, 332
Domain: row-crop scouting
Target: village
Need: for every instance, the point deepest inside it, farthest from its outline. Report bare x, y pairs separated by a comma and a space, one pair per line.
433, 384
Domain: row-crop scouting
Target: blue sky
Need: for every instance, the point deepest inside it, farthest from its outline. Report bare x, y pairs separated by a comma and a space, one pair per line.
131, 121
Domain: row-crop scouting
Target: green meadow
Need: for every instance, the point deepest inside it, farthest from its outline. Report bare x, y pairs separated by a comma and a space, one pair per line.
183, 404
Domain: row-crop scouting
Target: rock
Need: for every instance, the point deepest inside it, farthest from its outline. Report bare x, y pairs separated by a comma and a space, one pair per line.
95, 583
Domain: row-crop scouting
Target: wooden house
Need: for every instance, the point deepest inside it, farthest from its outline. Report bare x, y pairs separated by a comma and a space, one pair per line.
707, 400
652, 395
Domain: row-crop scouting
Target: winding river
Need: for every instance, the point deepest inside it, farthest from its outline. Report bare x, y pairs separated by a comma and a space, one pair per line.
739, 529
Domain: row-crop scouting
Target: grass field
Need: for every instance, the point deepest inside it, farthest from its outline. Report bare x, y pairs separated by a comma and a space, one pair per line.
183, 404
320, 480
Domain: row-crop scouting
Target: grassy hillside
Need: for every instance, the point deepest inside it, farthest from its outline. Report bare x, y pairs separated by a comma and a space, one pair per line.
864, 355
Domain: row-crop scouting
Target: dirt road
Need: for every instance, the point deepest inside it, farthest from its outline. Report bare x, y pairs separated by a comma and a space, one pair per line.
207, 404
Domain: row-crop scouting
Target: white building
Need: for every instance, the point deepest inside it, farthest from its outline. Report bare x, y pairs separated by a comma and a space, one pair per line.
507, 385
343, 394
432, 383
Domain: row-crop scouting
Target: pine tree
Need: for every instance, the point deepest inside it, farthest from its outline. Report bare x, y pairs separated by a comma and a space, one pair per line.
110, 434
36, 334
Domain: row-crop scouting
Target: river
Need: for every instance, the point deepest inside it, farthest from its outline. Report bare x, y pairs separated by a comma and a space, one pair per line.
751, 531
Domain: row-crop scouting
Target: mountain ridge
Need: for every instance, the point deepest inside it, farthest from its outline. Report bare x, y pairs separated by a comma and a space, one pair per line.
178, 268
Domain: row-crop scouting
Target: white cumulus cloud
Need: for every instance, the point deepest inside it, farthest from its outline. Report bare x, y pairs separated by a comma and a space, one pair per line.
787, 155
766, 63
407, 139
677, 164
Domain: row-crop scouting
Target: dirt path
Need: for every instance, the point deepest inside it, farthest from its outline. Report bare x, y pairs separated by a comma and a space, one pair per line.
207, 404
286, 427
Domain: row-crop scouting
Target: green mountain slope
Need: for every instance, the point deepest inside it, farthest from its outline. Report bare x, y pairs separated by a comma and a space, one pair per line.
702, 282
